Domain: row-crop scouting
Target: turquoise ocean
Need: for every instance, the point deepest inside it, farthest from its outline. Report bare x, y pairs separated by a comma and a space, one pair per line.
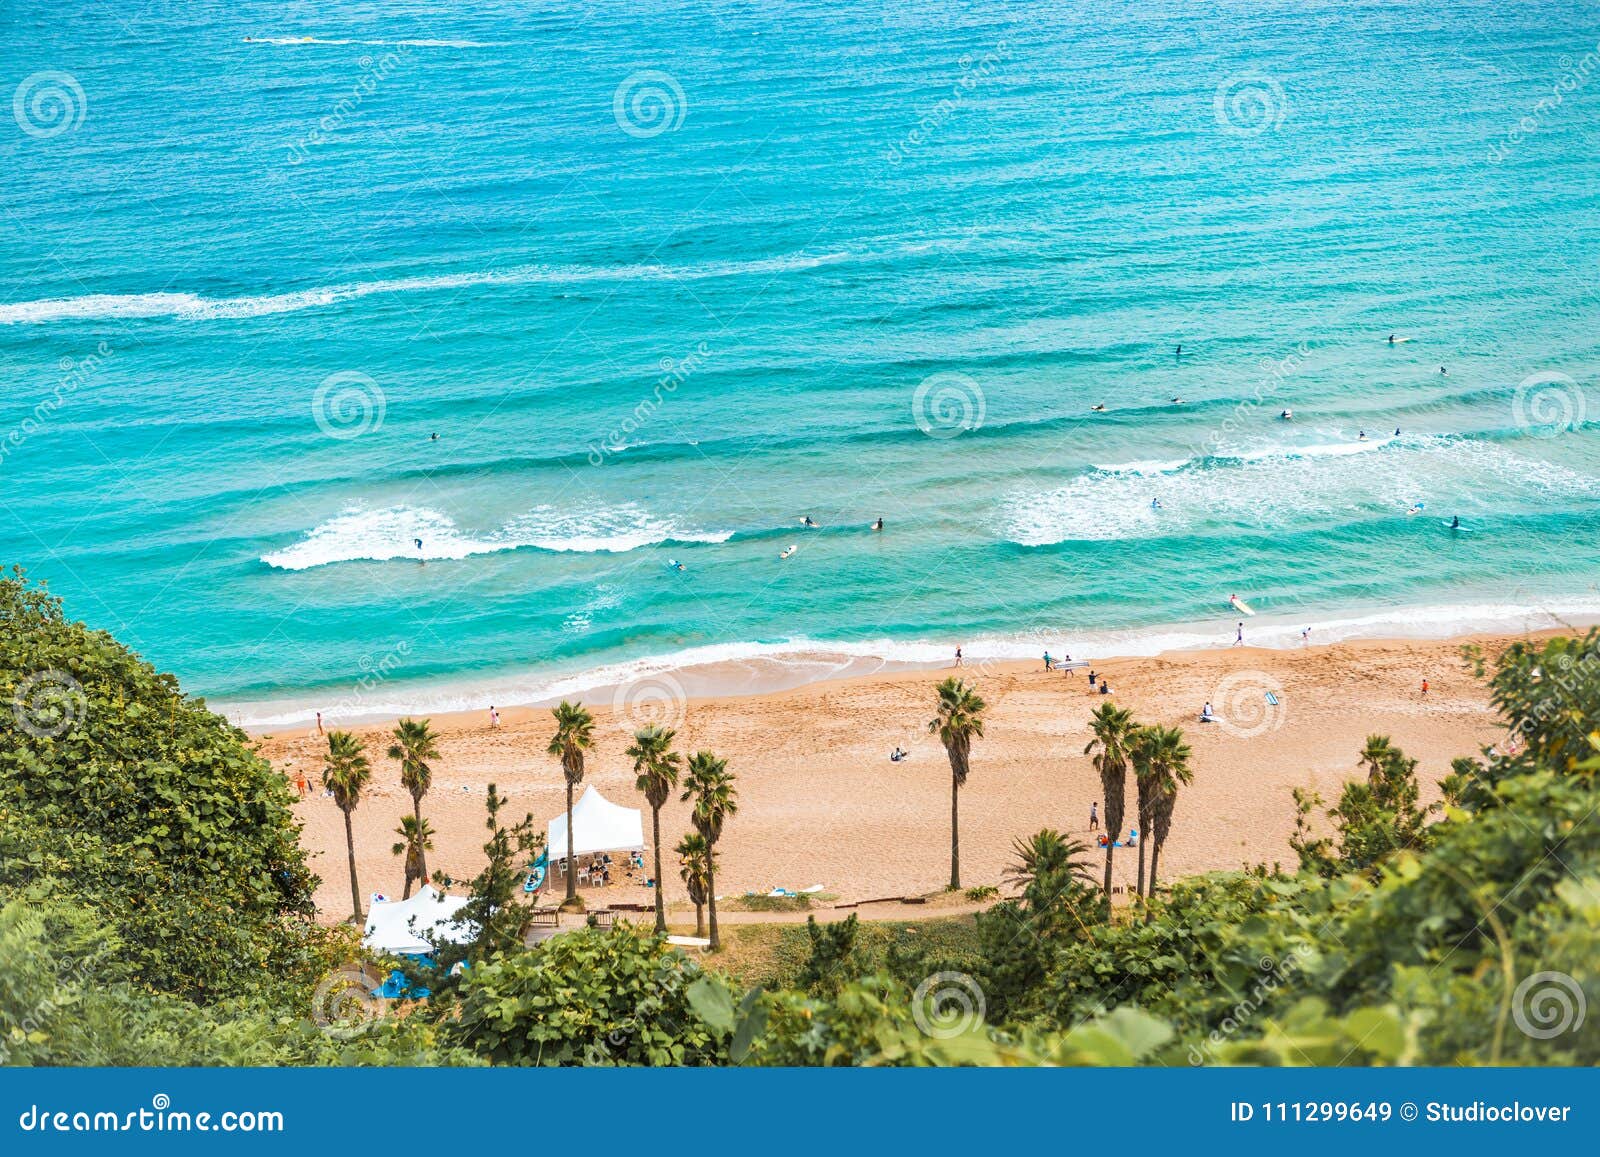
666, 278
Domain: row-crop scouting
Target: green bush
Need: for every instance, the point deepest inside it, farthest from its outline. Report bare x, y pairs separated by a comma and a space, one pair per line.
120, 793
589, 997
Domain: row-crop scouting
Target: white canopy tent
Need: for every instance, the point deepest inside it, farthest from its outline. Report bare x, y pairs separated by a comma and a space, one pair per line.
602, 826
398, 926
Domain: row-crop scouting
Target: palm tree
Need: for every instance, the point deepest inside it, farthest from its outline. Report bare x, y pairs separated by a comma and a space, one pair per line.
694, 865
345, 772
574, 734
715, 800
413, 746
416, 839
1374, 755
656, 765
1160, 764
1049, 859
1113, 729
1170, 764
958, 723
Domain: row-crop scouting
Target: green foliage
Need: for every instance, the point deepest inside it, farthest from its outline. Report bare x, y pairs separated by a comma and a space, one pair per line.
123, 795
981, 892
617, 997
831, 948
65, 1000
494, 911
1373, 819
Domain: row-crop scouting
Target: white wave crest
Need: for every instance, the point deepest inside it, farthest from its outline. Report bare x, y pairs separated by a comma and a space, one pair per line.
361, 535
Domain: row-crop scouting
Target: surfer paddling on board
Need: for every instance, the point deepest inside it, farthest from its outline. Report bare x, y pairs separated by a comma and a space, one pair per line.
1287, 416
1099, 408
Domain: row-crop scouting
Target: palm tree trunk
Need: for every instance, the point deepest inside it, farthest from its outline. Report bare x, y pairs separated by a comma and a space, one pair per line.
422, 853
655, 828
406, 893
699, 920
955, 833
572, 865
1110, 842
1139, 889
1155, 854
711, 896
355, 889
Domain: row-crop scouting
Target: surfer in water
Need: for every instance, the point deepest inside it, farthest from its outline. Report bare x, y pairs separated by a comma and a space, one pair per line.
1442, 370
1455, 522
1361, 436
433, 437
1178, 353
1286, 416
1099, 408
878, 525
1155, 504
420, 557
1391, 339
806, 521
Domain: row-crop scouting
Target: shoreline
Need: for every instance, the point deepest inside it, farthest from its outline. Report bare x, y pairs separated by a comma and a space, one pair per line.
736, 670
820, 803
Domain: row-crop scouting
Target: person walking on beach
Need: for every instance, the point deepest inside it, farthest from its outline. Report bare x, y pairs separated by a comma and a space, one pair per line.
1424, 688
958, 656
319, 723
1094, 817
1238, 634
1047, 660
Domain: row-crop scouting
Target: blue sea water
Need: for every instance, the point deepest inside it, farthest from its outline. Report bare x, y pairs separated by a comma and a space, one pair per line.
664, 278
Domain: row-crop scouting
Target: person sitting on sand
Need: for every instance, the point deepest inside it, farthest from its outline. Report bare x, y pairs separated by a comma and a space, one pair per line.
1133, 837
1205, 714
897, 754
1104, 688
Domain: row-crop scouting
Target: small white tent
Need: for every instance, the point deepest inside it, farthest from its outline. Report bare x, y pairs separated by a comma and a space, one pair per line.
602, 826
398, 926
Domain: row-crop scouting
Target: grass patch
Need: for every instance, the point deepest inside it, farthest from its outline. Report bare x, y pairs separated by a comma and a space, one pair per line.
760, 903
774, 954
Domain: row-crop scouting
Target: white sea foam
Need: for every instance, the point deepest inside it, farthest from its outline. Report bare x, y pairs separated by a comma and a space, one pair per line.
755, 668
359, 534
1286, 488
193, 307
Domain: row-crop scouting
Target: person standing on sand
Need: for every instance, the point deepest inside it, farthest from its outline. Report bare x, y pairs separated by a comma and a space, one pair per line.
494, 717
958, 656
1238, 634
1424, 688
319, 723
1047, 660
1094, 817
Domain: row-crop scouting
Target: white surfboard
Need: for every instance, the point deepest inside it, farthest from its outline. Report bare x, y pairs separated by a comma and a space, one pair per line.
1239, 604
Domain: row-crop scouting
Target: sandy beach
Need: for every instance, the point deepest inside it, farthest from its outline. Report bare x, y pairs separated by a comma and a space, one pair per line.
821, 803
